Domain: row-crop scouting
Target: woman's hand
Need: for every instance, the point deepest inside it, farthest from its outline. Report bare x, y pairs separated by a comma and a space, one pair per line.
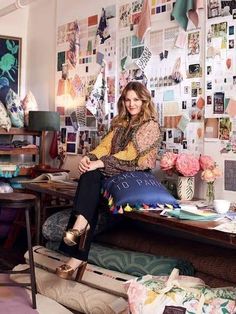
95, 165
87, 165
84, 164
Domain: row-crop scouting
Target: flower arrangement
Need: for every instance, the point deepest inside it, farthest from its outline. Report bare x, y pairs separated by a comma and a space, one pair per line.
183, 164
210, 169
209, 174
188, 165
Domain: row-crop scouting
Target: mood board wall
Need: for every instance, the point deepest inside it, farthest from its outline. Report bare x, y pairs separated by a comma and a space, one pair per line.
188, 64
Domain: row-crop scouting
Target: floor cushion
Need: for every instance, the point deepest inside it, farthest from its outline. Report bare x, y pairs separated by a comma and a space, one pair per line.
74, 295
95, 276
136, 263
155, 294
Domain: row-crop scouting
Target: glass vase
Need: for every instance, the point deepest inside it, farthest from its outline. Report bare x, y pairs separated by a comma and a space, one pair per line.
210, 193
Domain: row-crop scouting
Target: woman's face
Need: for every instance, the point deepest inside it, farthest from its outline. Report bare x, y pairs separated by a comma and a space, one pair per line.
132, 103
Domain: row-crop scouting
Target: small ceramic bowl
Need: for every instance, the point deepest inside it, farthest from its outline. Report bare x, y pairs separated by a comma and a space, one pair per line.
221, 206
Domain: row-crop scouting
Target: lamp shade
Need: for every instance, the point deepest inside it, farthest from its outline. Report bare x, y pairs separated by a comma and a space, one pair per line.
44, 121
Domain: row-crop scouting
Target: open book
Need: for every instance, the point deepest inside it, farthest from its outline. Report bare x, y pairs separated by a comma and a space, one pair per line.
57, 177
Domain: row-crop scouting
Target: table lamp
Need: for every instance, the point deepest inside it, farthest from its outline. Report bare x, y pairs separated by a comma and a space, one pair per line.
43, 121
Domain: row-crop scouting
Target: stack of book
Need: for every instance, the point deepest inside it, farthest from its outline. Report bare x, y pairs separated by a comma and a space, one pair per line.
191, 212
8, 170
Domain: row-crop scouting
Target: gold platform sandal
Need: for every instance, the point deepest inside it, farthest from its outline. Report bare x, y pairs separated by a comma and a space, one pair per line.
73, 236
66, 271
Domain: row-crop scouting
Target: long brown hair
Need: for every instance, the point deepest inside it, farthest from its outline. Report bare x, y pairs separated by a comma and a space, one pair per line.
147, 112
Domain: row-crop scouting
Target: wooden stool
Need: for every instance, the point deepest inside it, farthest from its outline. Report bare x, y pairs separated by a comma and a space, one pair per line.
22, 201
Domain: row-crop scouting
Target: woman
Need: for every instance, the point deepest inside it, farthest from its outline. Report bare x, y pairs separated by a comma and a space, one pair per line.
130, 145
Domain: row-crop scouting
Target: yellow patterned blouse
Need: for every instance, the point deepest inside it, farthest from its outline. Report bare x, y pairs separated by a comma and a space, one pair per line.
121, 151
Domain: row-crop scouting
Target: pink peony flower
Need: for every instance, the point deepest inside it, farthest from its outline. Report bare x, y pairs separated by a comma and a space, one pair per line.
187, 165
206, 162
208, 175
168, 161
217, 172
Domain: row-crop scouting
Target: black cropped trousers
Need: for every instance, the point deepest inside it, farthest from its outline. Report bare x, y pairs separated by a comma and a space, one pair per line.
86, 203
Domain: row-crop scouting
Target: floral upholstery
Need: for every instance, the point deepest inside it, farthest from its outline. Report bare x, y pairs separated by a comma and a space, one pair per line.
150, 295
15, 109
29, 103
5, 121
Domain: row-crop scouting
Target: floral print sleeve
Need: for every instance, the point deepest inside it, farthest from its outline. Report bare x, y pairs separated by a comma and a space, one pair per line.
146, 142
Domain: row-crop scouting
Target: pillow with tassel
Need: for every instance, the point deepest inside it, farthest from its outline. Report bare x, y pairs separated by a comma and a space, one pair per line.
5, 121
135, 190
29, 103
14, 109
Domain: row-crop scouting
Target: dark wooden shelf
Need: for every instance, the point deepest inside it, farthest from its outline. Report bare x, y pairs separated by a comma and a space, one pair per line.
19, 131
29, 151
18, 151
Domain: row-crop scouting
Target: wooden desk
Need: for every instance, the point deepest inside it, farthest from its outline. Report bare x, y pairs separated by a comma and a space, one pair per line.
54, 189
201, 229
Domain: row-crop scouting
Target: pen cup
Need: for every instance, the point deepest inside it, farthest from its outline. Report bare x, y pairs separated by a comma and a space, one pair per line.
221, 206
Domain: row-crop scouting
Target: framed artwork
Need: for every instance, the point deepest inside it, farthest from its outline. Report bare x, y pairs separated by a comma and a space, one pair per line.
10, 62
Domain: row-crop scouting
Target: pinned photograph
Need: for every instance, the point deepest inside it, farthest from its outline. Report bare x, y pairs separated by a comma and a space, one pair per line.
218, 103
63, 132
209, 84
211, 128
209, 100
186, 89
193, 43
213, 8
231, 43
71, 148
231, 30
224, 129
184, 104
234, 14
71, 136
209, 70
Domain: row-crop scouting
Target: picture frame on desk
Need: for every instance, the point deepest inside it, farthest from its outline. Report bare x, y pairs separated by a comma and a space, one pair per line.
10, 62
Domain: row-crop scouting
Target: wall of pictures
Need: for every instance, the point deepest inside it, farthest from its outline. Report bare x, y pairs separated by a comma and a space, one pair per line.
188, 64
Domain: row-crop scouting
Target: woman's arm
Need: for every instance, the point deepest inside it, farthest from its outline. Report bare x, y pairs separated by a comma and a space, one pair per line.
103, 149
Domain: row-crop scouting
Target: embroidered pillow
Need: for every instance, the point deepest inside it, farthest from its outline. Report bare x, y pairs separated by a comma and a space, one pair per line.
4, 82
15, 109
3, 93
5, 121
136, 189
29, 103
